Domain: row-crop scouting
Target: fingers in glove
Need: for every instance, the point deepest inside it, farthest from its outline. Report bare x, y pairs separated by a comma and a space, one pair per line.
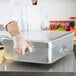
16, 51
31, 45
19, 51
30, 48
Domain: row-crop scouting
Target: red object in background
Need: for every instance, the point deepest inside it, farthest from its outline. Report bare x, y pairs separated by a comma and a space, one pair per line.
73, 30
51, 21
50, 27
65, 25
67, 21
71, 17
67, 28
74, 17
58, 21
55, 26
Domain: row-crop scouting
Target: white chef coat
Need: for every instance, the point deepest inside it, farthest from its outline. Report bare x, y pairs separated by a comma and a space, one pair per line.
28, 16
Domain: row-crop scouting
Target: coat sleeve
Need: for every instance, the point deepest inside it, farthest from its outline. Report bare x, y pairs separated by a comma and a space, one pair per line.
13, 13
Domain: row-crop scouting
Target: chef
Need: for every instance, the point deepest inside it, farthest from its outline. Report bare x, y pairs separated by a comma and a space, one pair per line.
26, 15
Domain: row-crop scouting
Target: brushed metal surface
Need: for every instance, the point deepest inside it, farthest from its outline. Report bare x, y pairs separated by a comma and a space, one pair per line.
50, 46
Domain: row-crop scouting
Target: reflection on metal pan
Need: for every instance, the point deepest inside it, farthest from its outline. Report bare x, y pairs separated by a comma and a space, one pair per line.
50, 46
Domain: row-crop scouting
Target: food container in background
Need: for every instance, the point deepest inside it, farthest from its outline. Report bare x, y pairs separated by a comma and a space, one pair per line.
55, 26
51, 25
63, 25
60, 26
67, 23
68, 27
72, 22
59, 23
73, 30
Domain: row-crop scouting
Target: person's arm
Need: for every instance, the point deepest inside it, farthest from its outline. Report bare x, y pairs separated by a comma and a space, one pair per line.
12, 25
12, 28
22, 45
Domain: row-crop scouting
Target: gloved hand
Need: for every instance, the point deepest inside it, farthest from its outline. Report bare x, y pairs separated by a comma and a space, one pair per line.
22, 46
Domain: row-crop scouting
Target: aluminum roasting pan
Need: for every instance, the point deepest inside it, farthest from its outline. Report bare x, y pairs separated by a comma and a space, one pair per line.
50, 46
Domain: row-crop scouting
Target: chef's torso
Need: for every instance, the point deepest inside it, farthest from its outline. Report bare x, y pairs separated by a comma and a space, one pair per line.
32, 16
28, 16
